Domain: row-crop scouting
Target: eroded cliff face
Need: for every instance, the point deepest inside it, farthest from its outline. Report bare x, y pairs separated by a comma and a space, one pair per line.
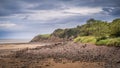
59, 35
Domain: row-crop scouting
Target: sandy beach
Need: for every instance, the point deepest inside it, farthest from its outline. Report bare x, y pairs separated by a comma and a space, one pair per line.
58, 55
8, 48
20, 45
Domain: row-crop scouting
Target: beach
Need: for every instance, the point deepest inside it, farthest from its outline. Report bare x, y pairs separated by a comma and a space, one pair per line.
58, 55
8, 48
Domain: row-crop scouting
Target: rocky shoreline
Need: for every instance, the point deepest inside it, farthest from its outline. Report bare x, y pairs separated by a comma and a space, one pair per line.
105, 57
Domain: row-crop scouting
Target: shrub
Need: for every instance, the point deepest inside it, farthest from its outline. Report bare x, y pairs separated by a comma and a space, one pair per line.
99, 40
102, 38
109, 42
44, 36
86, 39
102, 42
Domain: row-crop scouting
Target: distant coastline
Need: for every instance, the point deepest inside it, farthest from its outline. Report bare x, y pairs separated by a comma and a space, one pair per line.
5, 41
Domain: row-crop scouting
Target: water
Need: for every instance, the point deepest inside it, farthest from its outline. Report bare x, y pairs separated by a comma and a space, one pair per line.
2, 41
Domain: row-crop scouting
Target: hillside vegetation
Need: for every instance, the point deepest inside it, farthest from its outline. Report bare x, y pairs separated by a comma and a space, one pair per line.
40, 38
93, 31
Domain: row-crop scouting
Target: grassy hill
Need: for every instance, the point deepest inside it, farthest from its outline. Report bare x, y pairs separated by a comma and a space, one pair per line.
93, 31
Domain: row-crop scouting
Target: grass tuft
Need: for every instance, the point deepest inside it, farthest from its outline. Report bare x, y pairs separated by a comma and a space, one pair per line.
44, 36
86, 39
98, 41
109, 42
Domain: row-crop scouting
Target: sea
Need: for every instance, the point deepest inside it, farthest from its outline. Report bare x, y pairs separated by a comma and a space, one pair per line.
3, 41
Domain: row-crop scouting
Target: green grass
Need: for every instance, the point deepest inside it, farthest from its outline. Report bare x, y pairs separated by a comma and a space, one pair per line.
98, 41
44, 36
86, 39
109, 42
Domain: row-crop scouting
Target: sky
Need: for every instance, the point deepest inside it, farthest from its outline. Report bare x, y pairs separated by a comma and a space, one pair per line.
24, 19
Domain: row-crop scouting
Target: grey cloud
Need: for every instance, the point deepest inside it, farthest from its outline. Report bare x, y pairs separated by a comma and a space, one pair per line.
97, 3
9, 7
45, 7
115, 11
31, 28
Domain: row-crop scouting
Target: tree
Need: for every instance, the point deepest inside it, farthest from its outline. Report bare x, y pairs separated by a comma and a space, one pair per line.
115, 28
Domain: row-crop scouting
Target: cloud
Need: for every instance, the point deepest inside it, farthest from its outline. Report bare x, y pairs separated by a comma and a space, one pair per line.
47, 15
7, 7
31, 17
114, 11
68, 12
84, 10
44, 6
25, 6
6, 24
97, 3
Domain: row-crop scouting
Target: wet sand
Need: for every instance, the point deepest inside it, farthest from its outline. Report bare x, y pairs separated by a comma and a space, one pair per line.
20, 45
9, 48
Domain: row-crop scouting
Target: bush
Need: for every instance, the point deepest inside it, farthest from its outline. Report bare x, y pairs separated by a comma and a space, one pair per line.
44, 36
98, 41
58, 33
102, 42
102, 38
109, 42
86, 39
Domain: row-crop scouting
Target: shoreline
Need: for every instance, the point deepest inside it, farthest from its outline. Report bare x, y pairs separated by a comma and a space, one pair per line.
14, 41
62, 54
